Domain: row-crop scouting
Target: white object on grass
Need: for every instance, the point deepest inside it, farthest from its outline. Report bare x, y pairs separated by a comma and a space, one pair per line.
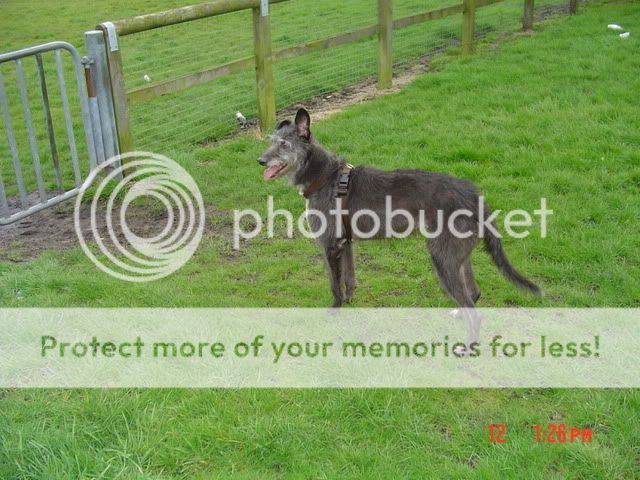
146, 78
614, 26
241, 119
625, 35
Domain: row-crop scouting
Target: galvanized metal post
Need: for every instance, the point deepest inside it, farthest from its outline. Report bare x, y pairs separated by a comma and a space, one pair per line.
94, 113
527, 16
118, 92
96, 48
385, 44
264, 67
468, 25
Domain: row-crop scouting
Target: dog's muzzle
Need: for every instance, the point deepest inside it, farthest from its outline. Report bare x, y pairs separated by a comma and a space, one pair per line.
262, 161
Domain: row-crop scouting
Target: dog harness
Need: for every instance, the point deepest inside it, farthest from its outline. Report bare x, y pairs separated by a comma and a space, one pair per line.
342, 196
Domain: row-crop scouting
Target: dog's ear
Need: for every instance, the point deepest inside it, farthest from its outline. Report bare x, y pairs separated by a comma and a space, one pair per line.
282, 124
303, 123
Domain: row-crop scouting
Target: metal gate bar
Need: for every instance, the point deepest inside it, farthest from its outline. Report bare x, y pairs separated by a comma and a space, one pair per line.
33, 143
11, 139
49, 122
4, 207
17, 56
71, 139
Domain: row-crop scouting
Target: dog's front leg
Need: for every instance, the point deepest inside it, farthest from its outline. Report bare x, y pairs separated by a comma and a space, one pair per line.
334, 254
348, 272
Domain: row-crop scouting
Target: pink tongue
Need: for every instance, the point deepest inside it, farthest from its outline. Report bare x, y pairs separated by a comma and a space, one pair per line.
270, 172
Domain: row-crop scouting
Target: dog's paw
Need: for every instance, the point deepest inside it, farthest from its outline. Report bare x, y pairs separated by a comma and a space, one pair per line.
462, 351
347, 296
459, 350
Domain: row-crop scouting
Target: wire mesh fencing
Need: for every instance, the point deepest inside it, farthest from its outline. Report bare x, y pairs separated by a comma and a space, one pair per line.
204, 112
423, 39
327, 70
318, 47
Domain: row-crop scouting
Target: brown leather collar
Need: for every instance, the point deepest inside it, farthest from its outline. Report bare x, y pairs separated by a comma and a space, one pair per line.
345, 169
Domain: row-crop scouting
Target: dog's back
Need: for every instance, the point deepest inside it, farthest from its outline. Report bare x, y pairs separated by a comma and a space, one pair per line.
414, 191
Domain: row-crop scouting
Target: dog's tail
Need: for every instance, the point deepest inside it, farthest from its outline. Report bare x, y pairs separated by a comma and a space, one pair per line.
494, 247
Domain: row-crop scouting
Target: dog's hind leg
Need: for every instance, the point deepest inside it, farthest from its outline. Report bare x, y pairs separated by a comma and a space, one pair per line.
450, 257
348, 272
448, 260
450, 275
470, 284
470, 281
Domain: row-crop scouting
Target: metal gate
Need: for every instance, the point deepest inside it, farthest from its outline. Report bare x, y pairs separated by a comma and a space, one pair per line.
49, 179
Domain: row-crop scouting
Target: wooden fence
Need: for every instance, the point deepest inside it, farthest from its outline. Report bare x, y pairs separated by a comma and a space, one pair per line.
264, 55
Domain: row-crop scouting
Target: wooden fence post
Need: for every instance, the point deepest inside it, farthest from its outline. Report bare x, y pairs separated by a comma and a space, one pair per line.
385, 44
118, 91
573, 7
264, 67
527, 17
468, 25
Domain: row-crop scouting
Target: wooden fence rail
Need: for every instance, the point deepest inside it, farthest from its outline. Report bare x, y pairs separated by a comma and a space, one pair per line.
263, 57
142, 23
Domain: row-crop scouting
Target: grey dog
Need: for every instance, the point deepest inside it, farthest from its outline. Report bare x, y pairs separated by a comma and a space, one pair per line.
295, 152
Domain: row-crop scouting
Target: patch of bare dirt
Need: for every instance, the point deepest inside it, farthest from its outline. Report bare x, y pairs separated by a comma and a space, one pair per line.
326, 105
54, 228
547, 11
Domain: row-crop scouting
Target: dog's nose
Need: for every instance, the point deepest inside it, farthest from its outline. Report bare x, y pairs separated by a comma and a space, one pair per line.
262, 161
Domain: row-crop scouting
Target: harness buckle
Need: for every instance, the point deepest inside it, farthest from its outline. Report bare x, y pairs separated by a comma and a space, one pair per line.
344, 179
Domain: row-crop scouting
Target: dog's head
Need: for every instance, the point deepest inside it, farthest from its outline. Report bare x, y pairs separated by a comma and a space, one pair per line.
289, 147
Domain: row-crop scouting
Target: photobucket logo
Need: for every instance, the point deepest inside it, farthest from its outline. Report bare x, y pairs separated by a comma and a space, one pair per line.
392, 223
142, 174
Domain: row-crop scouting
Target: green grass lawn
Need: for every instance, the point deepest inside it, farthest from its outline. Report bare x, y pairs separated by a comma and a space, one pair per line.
555, 115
